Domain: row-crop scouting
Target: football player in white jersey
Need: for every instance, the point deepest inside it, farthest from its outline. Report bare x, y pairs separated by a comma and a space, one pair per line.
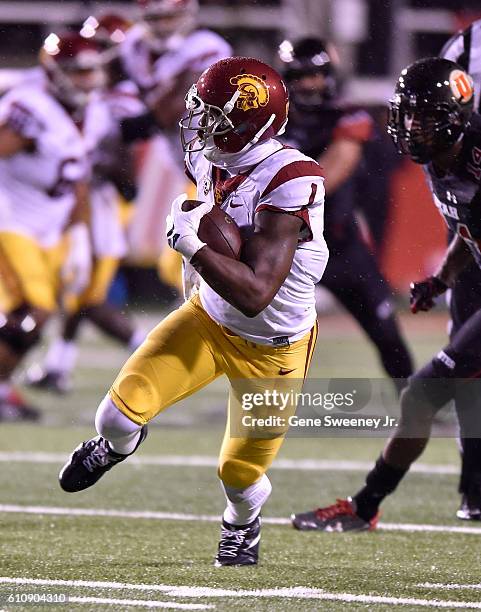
43, 193
163, 54
112, 174
254, 319
166, 47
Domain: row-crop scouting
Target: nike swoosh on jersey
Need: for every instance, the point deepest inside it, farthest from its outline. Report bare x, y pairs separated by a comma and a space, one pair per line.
283, 372
235, 205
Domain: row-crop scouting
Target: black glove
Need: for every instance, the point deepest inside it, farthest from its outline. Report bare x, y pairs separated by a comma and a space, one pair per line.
423, 293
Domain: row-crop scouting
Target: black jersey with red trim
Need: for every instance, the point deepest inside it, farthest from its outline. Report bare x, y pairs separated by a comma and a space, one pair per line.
457, 194
312, 132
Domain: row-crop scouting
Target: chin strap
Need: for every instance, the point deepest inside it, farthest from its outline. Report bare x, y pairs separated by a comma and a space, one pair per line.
229, 105
263, 129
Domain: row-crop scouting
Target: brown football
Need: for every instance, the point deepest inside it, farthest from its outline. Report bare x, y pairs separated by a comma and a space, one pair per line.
218, 230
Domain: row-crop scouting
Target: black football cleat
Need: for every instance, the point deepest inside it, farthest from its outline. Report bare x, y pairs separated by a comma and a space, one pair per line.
341, 516
45, 380
239, 545
90, 461
470, 509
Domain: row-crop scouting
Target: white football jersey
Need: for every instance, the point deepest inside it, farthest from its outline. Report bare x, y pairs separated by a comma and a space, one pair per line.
287, 180
102, 117
194, 52
101, 130
37, 186
104, 113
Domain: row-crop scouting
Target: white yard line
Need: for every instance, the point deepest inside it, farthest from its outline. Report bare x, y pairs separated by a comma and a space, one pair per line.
210, 518
412, 527
208, 592
210, 461
141, 603
161, 516
449, 587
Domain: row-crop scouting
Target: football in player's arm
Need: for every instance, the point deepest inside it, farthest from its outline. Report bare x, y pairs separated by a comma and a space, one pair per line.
250, 284
253, 319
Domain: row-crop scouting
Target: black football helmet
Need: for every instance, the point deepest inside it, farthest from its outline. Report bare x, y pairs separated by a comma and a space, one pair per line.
310, 56
431, 108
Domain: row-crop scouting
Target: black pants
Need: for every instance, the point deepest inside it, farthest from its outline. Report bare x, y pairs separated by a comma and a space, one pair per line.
453, 373
465, 304
353, 277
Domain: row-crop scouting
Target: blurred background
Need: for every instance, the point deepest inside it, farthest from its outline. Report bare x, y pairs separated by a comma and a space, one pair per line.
375, 40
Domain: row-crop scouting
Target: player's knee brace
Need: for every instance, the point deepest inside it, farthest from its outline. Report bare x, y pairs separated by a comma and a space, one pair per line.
239, 473
20, 329
112, 424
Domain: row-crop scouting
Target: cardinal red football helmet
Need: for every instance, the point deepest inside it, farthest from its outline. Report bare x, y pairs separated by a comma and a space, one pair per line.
108, 30
236, 103
73, 65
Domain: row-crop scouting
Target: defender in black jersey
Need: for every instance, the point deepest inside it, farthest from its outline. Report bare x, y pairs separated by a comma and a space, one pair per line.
432, 121
334, 135
464, 48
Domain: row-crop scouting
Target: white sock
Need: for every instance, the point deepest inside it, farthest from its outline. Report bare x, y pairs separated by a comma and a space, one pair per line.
244, 505
61, 356
136, 340
121, 433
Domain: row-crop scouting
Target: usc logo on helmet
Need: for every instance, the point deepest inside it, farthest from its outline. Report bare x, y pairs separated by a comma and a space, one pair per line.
254, 91
461, 86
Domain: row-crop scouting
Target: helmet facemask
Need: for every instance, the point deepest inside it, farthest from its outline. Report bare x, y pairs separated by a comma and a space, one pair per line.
313, 91
210, 122
423, 130
205, 120
311, 71
74, 87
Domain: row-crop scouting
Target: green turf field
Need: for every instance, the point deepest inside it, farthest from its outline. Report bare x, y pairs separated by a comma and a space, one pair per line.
145, 536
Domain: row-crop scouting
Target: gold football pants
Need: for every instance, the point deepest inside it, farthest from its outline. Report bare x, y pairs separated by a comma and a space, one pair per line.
103, 273
187, 351
29, 273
